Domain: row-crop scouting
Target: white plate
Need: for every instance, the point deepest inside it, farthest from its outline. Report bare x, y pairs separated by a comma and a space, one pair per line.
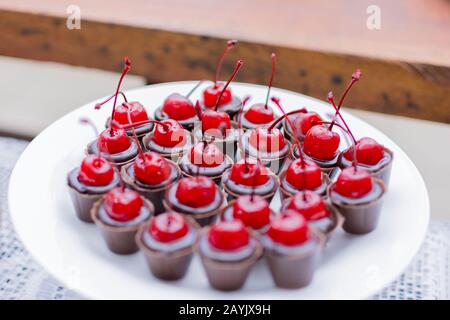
353, 267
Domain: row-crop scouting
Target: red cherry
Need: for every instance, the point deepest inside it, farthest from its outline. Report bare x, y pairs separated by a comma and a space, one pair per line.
321, 143
368, 152
216, 122
113, 140
354, 182
267, 140
228, 235
243, 172
137, 113
196, 191
151, 168
208, 155
252, 210
123, 204
95, 171
289, 228
304, 174
168, 227
178, 107
212, 93
169, 135
259, 114
309, 204
304, 121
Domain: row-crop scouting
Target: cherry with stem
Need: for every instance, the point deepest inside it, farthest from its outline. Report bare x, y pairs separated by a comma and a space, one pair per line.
238, 65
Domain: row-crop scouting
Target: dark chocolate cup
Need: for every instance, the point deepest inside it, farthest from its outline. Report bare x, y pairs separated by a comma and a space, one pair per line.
155, 195
330, 167
284, 193
120, 240
202, 219
360, 218
188, 124
166, 265
117, 163
228, 275
217, 179
83, 204
295, 270
275, 164
174, 156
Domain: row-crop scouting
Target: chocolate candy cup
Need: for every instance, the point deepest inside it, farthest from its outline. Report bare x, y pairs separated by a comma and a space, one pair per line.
171, 265
216, 178
83, 204
173, 154
188, 124
232, 107
285, 193
120, 240
360, 218
118, 159
288, 133
328, 167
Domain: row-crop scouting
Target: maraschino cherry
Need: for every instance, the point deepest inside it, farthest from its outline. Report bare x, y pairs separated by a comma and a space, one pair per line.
196, 191
289, 228
249, 173
305, 120
304, 174
252, 210
354, 182
228, 235
123, 204
168, 227
217, 94
309, 204
113, 140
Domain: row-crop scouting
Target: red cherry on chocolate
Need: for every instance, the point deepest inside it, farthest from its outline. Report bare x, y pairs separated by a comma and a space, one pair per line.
122, 204
321, 143
309, 204
304, 121
228, 235
215, 122
354, 182
244, 173
95, 171
113, 140
252, 210
170, 134
368, 152
196, 191
137, 113
304, 174
151, 168
289, 228
212, 93
259, 114
168, 226
208, 155
178, 107
267, 140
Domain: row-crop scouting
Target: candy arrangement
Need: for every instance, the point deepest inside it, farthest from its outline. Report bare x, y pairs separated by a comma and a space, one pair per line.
199, 178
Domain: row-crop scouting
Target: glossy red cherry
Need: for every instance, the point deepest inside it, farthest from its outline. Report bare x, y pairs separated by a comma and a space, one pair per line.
168, 227
304, 174
196, 191
151, 168
267, 140
178, 107
113, 140
252, 210
368, 152
123, 204
206, 155
249, 173
259, 114
228, 235
215, 122
95, 171
169, 135
212, 93
354, 182
136, 110
304, 121
321, 143
309, 204
289, 228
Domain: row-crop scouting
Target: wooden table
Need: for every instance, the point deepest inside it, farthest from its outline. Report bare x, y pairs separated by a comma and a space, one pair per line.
406, 64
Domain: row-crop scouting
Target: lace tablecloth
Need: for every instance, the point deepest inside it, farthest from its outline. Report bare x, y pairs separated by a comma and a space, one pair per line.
428, 276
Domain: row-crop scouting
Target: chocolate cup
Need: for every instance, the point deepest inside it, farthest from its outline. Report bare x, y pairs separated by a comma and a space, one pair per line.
155, 195
217, 179
288, 133
83, 204
120, 240
360, 218
329, 167
275, 164
228, 145
228, 275
188, 124
166, 265
110, 158
285, 194
295, 270
203, 219
232, 108
174, 156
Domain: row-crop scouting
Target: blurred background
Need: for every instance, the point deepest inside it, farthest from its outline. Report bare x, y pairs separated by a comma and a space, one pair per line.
58, 55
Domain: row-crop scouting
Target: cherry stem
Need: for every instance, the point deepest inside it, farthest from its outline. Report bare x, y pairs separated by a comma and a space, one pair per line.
140, 123
100, 104
238, 65
230, 45
272, 75
241, 110
194, 88
355, 78
125, 70
331, 100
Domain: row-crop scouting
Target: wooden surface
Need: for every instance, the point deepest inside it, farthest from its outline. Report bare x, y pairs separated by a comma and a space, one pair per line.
406, 64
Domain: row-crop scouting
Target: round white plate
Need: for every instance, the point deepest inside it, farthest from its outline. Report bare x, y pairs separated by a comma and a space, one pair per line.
353, 267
